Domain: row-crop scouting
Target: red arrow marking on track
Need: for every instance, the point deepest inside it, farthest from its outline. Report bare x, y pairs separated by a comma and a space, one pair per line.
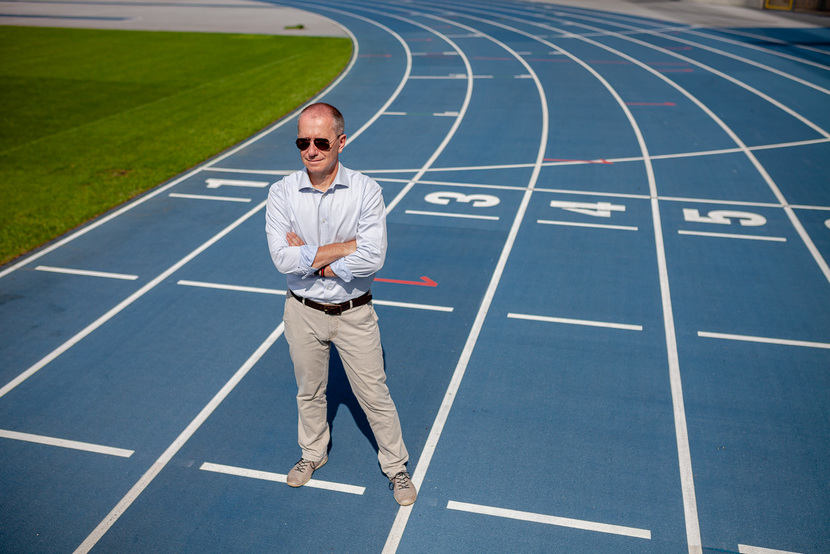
424, 282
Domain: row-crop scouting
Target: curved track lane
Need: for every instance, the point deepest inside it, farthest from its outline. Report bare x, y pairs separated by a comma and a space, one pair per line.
605, 308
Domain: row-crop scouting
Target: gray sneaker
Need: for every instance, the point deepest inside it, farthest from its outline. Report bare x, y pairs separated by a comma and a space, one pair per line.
300, 474
404, 490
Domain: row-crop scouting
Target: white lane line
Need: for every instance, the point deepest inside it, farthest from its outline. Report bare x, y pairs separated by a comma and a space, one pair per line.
594, 225
64, 443
404, 78
422, 466
551, 520
796, 223
277, 172
296, 113
612, 161
450, 76
236, 288
394, 304
279, 478
444, 214
747, 61
569, 321
726, 202
781, 42
766, 340
174, 448
216, 183
745, 549
207, 197
458, 118
737, 82
684, 456
86, 273
125, 303
278, 292
730, 236
696, 30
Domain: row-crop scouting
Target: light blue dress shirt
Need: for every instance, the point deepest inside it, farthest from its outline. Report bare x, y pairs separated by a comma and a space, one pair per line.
351, 208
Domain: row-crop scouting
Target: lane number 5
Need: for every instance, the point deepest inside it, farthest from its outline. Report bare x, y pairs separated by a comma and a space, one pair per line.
724, 217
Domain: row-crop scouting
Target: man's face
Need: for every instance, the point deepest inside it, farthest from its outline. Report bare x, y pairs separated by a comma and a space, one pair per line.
318, 160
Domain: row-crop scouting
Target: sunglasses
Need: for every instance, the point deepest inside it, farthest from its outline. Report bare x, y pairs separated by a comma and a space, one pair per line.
319, 144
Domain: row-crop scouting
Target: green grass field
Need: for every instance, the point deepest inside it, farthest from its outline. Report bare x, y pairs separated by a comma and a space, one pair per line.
91, 118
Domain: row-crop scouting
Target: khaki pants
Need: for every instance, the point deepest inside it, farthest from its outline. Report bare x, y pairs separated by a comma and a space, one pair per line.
355, 333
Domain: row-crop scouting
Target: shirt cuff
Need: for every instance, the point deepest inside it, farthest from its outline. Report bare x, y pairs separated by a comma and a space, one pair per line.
307, 255
342, 270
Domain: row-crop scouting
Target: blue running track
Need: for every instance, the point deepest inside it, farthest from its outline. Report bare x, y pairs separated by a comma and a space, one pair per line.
605, 309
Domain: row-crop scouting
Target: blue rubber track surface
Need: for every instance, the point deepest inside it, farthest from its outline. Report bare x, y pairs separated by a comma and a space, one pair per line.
605, 309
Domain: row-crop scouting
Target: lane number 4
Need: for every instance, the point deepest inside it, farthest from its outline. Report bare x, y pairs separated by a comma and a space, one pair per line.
597, 209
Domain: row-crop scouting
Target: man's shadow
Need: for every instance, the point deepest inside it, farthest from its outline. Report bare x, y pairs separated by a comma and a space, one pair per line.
339, 392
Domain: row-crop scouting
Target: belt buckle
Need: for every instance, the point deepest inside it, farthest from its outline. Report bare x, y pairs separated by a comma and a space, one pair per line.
335, 309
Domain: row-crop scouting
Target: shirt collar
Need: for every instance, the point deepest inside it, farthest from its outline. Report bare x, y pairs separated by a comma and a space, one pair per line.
341, 179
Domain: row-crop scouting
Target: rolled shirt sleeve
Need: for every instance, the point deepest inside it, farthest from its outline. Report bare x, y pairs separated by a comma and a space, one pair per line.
295, 260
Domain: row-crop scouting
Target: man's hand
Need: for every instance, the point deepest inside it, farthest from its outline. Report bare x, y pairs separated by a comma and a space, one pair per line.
325, 254
293, 239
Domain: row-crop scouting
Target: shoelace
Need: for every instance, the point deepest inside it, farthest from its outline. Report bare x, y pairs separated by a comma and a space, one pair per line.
400, 481
301, 465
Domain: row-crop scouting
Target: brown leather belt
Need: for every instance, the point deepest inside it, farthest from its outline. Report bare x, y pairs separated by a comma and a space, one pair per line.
334, 309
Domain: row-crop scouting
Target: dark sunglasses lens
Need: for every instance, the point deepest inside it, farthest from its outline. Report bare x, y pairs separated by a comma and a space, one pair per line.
319, 144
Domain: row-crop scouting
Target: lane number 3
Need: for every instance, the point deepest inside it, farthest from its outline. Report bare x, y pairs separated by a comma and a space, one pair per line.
477, 200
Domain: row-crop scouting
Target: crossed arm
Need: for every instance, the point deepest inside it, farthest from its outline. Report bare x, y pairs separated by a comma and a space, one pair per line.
325, 254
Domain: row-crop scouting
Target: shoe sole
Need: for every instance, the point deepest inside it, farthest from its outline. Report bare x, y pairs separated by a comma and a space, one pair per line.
407, 503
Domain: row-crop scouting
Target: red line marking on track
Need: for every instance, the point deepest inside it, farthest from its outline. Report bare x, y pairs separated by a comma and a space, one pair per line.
490, 58
604, 162
424, 282
675, 70
423, 39
650, 104
678, 47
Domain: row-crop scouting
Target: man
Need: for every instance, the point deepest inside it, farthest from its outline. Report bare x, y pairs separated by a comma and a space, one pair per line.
326, 229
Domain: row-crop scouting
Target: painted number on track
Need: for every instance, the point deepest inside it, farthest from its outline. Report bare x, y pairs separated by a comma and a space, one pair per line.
596, 209
477, 200
724, 217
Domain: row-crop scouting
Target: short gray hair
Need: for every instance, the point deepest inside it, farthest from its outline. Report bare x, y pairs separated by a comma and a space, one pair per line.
322, 108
